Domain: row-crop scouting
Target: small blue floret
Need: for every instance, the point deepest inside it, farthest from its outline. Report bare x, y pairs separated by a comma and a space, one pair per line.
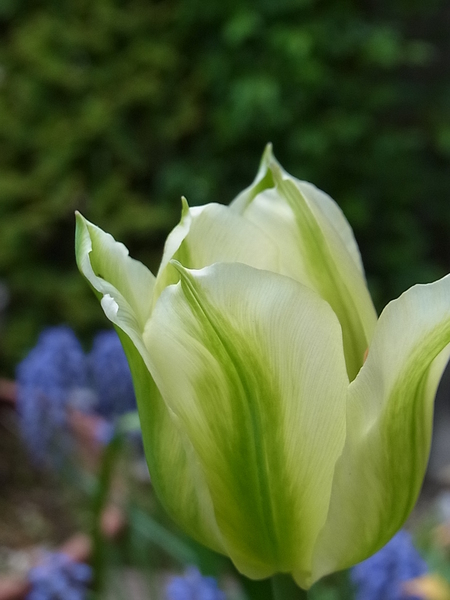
193, 586
54, 369
111, 377
381, 577
57, 577
56, 375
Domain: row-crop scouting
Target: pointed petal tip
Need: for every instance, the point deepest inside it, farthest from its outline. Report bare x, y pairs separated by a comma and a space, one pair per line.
85, 228
184, 206
83, 244
269, 158
185, 273
268, 151
80, 219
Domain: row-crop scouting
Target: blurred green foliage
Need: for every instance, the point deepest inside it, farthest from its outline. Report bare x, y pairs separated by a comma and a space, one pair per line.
118, 107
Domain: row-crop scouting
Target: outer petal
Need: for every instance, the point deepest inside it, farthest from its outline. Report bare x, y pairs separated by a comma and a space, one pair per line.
176, 477
317, 248
239, 355
213, 233
126, 287
264, 180
389, 424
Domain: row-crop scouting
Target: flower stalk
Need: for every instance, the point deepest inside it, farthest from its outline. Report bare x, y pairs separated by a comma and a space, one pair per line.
285, 588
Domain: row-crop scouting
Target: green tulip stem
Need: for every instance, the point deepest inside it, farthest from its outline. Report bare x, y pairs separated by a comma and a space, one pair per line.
285, 588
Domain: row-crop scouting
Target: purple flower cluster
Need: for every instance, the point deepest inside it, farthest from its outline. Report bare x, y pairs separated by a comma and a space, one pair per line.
381, 577
193, 586
111, 377
56, 375
53, 370
58, 577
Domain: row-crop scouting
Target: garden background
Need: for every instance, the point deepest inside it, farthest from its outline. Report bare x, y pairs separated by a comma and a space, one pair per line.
118, 107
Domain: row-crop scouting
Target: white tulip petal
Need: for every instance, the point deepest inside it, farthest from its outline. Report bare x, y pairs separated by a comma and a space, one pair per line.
316, 247
213, 233
176, 476
126, 287
239, 356
389, 425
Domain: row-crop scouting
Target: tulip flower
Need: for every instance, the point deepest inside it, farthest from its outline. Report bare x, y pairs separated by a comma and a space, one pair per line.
284, 424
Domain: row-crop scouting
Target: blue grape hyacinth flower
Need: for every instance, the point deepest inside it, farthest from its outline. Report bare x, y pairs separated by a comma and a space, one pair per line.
382, 576
111, 377
193, 586
54, 371
56, 375
58, 577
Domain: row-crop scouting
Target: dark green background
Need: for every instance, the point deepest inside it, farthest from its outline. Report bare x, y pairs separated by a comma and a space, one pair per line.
117, 108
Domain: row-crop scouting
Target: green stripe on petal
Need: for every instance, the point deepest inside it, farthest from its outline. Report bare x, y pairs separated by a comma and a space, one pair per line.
389, 426
317, 248
251, 364
213, 233
331, 271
